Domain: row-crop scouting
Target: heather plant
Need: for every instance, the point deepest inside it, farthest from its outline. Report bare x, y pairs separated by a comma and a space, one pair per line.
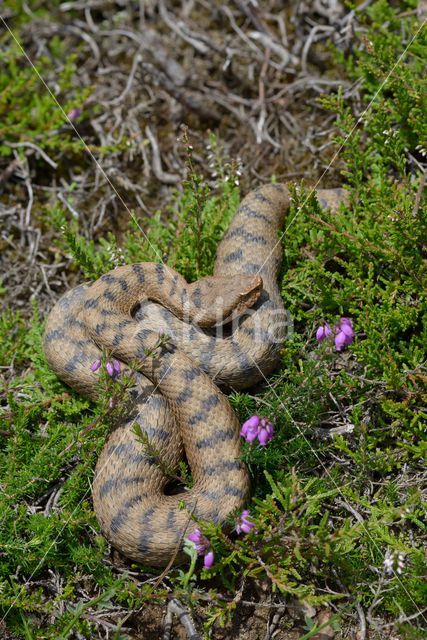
336, 520
197, 220
28, 114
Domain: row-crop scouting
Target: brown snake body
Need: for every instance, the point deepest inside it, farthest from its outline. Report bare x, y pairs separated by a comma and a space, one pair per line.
176, 402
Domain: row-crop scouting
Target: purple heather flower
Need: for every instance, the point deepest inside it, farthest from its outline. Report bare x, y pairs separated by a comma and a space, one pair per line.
323, 332
344, 335
250, 428
110, 368
202, 545
257, 427
243, 524
113, 368
208, 560
95, 365
340, 341
346, 321
200, 541
266, 432
74, 113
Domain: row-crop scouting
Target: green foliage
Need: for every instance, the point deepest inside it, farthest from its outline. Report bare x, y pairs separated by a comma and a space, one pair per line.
186, 240
366, 261
326, 509
92, 259
28, 111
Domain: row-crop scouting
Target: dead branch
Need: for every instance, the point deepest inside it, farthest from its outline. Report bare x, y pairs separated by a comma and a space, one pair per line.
176, 608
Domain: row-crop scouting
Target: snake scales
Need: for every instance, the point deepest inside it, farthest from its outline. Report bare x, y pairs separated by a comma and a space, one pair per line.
175, 401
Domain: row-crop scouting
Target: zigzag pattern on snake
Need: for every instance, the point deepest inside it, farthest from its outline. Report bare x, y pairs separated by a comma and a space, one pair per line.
177, 401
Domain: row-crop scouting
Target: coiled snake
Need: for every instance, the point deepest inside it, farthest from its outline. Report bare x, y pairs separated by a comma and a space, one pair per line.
177, 402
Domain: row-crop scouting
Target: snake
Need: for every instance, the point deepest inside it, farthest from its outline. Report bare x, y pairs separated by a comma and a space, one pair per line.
223, 332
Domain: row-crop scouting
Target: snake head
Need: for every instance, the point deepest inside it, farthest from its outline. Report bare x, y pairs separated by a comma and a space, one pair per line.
221, 298
250, 293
